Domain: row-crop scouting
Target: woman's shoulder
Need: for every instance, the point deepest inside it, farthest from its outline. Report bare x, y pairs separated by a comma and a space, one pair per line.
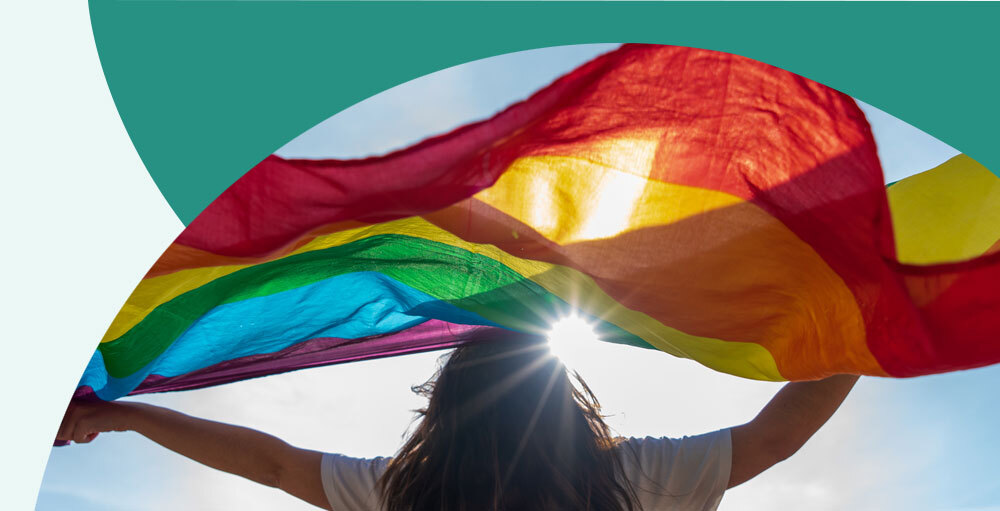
681, 472
349, 482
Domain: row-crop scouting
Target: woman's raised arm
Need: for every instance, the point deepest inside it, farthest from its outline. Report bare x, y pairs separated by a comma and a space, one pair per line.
792, 416
245, 452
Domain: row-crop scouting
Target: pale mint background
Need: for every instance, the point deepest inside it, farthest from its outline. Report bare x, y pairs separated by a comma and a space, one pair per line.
82, 220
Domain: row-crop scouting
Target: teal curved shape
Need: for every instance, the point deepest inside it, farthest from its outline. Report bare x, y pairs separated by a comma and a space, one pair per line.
208, 89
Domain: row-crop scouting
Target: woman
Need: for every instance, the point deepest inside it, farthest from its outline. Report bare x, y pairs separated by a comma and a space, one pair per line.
505, 428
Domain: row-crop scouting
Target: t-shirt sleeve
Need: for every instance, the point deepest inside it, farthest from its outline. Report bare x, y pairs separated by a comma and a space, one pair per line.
682, 474
349, 483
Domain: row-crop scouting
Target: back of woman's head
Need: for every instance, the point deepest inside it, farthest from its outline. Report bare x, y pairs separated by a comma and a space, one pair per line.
506, 429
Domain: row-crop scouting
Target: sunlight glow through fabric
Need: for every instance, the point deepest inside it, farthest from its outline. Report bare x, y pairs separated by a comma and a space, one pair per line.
699, 203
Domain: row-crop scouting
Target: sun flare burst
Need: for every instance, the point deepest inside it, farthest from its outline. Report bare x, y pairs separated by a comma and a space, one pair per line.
568, 336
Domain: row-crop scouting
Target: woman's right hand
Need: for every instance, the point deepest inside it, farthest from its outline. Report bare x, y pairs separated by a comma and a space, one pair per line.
85, 420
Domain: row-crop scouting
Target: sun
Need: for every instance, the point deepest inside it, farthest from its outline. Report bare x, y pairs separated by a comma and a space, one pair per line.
569, 335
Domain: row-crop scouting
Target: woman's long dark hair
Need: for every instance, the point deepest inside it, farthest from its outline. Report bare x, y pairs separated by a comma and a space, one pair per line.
505, 429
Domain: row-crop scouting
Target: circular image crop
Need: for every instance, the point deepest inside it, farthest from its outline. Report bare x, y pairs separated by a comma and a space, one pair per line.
605, 276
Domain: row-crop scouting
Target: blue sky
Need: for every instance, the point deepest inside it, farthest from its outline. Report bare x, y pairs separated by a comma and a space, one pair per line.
918, 444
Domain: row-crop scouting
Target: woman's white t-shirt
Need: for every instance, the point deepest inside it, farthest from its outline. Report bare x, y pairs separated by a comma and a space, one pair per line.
676, 474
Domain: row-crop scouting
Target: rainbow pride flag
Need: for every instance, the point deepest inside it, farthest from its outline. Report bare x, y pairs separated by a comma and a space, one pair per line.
695, 202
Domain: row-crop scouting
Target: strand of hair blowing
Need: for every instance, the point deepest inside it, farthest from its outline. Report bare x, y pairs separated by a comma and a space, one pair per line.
505, 429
